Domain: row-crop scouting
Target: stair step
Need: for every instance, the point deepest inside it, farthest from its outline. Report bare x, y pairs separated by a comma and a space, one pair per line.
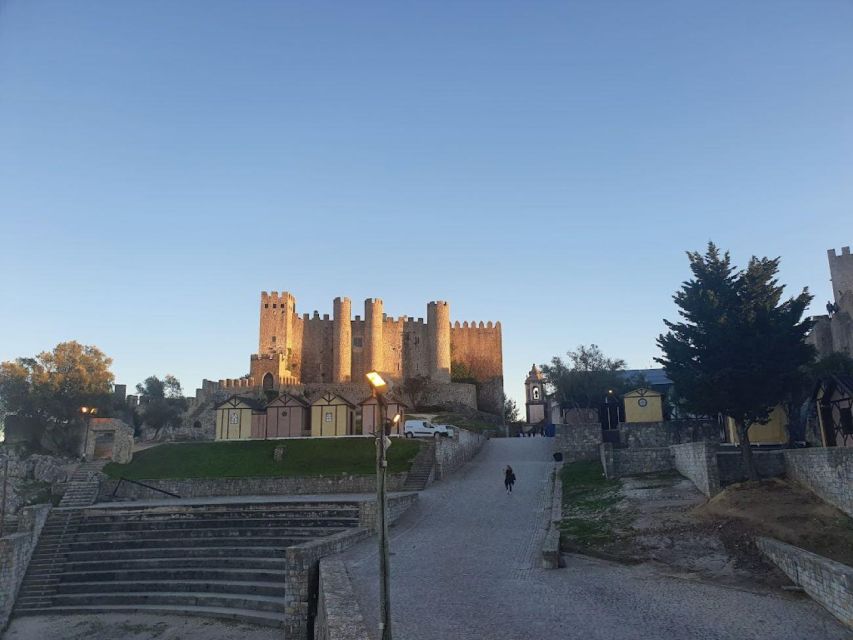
172, 598
209, 573
265, 618
232, 587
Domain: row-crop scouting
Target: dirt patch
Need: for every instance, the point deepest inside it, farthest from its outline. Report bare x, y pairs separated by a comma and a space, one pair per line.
784, 511
664, 519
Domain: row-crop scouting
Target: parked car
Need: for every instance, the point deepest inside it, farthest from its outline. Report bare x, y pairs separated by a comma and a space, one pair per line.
426, 429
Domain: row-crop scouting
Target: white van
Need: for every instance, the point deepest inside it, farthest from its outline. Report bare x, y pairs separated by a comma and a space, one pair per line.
425, 429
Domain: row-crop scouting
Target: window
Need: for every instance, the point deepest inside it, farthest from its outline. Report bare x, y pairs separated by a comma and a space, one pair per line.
535, 393
273, 339
197, 424
357, 342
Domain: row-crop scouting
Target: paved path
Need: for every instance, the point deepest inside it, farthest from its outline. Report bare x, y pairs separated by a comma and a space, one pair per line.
464, 565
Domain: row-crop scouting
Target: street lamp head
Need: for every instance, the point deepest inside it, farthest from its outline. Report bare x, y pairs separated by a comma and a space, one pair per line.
376, 381
84, 409
397, 418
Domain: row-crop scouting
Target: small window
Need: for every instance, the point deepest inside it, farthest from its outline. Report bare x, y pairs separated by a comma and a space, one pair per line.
357, 342
274, 305
273, 339
535, 393
266, 305
197, 424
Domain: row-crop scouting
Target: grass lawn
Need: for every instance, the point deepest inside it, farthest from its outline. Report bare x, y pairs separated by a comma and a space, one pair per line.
308, 457
587, 498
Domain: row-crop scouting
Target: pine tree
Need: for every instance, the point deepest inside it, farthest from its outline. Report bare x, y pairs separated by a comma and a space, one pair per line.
739, 348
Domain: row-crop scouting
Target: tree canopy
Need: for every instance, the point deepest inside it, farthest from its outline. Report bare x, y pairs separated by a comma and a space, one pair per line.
586, 379
739, 348
50, 389
161, 402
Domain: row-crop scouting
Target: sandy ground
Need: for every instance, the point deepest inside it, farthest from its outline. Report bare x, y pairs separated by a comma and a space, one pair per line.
111, 626
665, 520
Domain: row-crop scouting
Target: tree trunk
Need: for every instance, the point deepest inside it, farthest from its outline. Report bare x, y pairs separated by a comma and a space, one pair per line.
746, 451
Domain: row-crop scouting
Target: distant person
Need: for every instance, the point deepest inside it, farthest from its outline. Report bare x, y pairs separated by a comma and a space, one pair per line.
509, 479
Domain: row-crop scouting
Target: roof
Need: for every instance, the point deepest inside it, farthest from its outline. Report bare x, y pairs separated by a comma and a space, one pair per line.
286, 399
329, 398
233, 401
830, 383
535, 374
655, 377
640, 392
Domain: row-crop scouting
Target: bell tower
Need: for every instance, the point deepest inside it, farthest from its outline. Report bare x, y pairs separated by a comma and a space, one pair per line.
534, 396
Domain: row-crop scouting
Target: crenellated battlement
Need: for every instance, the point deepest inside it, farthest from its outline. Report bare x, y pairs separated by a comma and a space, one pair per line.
315, 347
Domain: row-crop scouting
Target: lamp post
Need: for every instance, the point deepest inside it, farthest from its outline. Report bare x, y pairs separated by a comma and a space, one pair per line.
87, 412
379, 387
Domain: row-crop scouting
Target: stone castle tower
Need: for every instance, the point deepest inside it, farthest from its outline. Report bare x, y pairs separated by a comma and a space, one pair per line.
833, 333
294, 349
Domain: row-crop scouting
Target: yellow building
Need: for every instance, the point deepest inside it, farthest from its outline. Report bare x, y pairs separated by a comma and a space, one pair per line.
234, 418
774, 432
332, 415
643, 405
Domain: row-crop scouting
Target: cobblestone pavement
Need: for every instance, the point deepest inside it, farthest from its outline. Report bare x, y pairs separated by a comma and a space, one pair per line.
464, 565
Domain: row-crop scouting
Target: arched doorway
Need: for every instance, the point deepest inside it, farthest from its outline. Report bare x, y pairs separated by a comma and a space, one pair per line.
268, 382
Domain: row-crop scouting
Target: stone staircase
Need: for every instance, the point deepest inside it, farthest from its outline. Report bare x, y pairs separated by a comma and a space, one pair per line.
83, 486
223, 560
422, 466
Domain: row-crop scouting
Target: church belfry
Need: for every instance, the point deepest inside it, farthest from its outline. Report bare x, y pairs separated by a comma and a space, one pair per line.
534, 396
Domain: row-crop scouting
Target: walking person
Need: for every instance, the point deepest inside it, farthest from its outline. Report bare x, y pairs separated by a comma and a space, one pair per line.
509, 479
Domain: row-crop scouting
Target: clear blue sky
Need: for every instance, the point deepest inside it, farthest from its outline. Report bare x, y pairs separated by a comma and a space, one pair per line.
542, 164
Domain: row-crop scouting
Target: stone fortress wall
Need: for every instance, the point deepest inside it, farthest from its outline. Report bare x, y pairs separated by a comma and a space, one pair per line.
835, 334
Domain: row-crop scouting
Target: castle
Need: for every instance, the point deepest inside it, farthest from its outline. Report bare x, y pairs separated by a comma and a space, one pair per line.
833, 333
310, 349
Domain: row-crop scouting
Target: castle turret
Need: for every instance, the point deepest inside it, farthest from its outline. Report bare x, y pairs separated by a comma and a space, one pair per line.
276, 331
342, 341
373, 334
438, 335
841, 273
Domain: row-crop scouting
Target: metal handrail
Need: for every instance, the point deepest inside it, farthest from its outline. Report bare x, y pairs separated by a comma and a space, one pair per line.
142, 484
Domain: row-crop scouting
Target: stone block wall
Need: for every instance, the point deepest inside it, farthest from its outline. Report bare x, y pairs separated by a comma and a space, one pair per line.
698, 462
263, 486
826, 471
828, 582
338, 614
631, 462
643, 435
397, 506
452, 453
15, 553
578, 441
769, 464
301, 580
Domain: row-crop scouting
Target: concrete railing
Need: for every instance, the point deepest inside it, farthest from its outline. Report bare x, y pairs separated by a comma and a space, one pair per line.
828, 582
15, 553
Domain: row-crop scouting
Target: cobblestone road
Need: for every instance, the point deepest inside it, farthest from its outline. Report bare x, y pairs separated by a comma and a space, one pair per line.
464, 565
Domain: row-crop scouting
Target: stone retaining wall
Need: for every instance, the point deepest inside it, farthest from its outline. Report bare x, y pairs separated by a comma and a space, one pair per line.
652, 435
697, 461
302, 564
826, 471
452, 453
338, 614
261, 486
15, 553
768, 464
397, 506
578, 441
631, 462
828, 582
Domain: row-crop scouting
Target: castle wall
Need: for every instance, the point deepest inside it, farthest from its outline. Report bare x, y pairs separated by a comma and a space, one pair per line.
317, 348
392, 346
415, 348
841, 272
479, 345
438, 340
276, 314
374, 323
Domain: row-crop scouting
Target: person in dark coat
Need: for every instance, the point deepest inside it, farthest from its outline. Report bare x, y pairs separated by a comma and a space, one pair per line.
509, 479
